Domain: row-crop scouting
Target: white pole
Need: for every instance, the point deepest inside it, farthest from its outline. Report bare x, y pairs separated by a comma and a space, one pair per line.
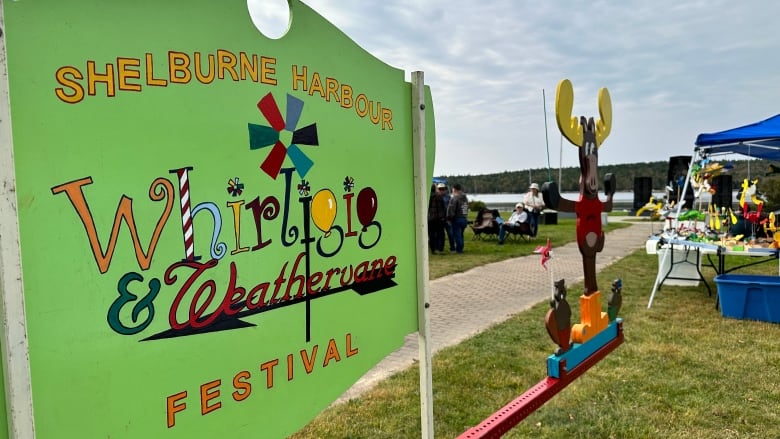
659, 277
560, 163
15, 347
421, 184
552, 283
681, 198
546, 139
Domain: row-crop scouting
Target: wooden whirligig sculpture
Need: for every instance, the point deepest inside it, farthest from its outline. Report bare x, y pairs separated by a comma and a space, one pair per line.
582, 345
749, 193
598, 332
588, 136
652, 207
770, 229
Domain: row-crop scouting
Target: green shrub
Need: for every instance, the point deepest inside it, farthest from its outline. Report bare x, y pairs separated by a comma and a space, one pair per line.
476, 206
770, 187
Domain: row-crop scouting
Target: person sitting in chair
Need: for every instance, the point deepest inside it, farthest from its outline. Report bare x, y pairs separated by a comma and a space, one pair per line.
534, 203
518, 217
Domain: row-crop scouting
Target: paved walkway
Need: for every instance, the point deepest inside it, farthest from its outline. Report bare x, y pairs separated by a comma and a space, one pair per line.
465, 304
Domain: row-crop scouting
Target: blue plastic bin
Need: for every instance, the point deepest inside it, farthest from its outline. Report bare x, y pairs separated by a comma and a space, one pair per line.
747, 296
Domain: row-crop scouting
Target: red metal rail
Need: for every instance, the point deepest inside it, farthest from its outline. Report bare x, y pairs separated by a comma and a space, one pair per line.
500, 422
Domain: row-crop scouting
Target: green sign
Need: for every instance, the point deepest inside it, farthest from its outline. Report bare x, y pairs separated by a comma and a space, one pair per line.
216, 229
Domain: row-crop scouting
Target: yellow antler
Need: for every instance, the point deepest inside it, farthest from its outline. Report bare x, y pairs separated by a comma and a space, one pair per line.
570, 126
564, 103
604, 124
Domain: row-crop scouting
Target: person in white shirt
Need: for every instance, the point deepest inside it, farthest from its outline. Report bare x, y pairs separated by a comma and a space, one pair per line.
518, 216
534, 204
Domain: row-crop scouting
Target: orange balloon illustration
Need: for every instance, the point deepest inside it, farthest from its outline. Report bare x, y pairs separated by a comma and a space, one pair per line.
323, 210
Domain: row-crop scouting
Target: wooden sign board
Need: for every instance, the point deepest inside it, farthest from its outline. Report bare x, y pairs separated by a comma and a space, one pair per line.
216, 230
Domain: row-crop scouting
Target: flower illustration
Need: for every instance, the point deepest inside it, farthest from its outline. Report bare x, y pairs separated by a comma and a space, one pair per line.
234, 187
349, 183
304, 188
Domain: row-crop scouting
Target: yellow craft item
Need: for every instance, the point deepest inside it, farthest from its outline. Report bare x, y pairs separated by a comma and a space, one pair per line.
732, 216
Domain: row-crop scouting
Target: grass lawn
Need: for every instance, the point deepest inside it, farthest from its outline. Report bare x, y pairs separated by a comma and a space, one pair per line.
683, 372
484, 251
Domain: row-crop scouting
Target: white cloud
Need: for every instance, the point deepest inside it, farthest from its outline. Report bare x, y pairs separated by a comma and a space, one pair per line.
674, 69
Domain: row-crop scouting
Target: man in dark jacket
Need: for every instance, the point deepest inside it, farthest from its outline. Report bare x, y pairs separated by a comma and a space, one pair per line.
445, 194
457, 213
437, 217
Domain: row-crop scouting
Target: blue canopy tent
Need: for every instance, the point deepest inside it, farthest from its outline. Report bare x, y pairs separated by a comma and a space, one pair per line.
759, 140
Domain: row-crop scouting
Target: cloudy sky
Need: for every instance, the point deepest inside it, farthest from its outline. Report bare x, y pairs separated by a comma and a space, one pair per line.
674, 69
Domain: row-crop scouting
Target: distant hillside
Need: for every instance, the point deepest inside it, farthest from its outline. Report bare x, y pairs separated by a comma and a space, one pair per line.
517, 181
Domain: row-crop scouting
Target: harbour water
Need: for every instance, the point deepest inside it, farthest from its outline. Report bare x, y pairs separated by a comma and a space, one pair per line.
505, 202
621, 201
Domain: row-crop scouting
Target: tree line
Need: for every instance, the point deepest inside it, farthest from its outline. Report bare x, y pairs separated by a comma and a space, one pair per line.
516, 182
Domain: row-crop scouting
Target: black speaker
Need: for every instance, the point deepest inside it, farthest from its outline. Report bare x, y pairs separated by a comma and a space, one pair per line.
678, 167
678, 170
643, 190
723, 191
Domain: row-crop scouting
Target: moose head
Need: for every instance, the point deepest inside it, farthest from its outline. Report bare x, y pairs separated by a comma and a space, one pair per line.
584, 133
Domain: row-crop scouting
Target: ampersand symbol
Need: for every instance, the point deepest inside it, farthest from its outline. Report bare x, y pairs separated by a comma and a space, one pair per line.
125, 297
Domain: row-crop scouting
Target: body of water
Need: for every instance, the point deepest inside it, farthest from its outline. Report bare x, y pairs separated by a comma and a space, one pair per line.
623, 200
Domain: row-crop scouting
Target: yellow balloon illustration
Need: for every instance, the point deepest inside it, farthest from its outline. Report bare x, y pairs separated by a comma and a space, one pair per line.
323, 210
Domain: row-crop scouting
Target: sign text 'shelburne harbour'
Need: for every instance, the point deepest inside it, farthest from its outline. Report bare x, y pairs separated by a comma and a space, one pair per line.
127, 74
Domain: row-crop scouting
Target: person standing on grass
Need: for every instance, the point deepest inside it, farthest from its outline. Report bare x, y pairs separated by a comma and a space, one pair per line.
534, 204
437, 217
457, 214
442, 189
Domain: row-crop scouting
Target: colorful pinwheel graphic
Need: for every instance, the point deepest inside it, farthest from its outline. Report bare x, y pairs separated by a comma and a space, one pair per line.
234, 187
349, 183
262, 136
